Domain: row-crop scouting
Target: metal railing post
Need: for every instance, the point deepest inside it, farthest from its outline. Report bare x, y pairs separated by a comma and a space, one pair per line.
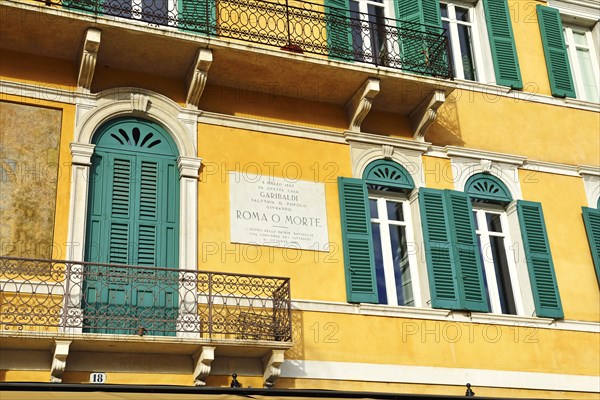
210, 305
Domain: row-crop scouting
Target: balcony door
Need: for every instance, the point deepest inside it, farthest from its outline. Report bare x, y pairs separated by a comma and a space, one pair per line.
370, 33
132, 223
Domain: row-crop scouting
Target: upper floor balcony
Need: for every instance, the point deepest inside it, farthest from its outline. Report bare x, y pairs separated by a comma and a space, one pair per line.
303, 50
304, 28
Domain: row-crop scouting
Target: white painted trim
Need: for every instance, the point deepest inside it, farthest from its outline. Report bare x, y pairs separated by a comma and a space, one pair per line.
464, 152
278, 128
443, 315
551, 168
591, 183
465, 168
367, 147
309, 369
586, 11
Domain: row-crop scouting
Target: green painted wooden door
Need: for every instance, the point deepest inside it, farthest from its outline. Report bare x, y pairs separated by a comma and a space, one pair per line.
133, 217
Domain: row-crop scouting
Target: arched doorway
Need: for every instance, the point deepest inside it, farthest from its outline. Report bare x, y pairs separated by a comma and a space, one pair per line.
132, 219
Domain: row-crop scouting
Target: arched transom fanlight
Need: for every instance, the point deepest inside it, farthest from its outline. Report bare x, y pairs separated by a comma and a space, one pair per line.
487, 187
135, 134
386, 175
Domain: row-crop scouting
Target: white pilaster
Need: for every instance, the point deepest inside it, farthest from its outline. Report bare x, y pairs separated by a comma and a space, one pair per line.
188, 321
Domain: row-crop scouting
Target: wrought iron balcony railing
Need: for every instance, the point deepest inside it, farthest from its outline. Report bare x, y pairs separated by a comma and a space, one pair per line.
295, 26
83, 297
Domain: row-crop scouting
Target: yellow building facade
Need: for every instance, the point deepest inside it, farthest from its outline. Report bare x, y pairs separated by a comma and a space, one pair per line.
384, 198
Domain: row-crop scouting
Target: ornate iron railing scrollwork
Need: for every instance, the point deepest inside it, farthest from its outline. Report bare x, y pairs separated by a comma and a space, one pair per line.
295, 26
87, 297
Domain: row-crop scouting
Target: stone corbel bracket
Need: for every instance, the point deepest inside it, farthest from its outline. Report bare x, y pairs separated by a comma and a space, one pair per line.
360, 104
203, 360
273, 367
87, 62
197, 76
423, 116
59, 360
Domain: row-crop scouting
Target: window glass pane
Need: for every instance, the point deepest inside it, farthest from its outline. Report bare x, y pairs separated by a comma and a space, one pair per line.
120, 8
493, 222
507, 300
462, 14
464, 36
401, 266
155, 11
446, 26
379, 264
376, 29
444, 10
580, 38
475, 219
485, 282
394, 210
357, 36
588, 75
373, 208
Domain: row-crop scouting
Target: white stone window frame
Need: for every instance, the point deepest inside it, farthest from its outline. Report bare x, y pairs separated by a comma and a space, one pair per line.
581, 15
366, 148
178, 122
591, 184
480, 44
572, 48
466, 163
382, 198
484, 234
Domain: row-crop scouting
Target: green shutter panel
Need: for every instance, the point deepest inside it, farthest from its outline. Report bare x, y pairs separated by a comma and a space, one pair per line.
197, 16
361, 284
95, 242
121, 198
440, 264
502, 43
539, 260
555, 51
431, 16
339, 32
417, 15
147, 242
591, 217
466, 252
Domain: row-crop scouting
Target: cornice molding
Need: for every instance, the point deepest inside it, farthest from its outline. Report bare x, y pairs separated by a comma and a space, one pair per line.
588, 170
380, 140
551, 168
454, 151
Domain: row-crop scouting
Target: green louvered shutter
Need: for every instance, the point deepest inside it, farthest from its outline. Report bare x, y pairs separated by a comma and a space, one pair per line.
591, 217
417, 15
339, 31
361, 283
198, 16
440, 264
539, 260
466, 252
120, 209
555, 51
502, 43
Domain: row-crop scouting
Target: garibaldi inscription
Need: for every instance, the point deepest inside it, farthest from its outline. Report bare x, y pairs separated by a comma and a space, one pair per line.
277, 212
